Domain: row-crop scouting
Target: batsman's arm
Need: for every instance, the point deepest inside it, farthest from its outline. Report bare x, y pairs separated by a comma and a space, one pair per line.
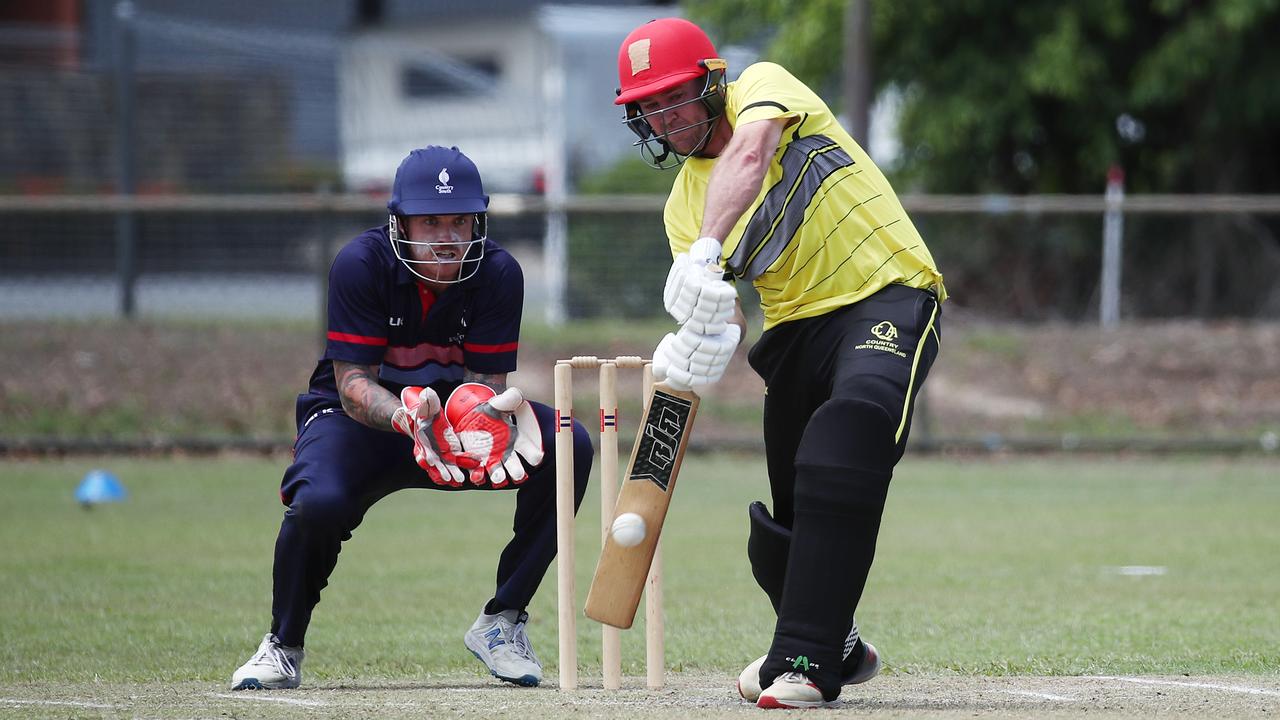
739, 172
363, 399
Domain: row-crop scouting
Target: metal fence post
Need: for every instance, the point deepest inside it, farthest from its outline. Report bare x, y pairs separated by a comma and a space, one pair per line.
555, 244
326, 236
126, 227
1112, 247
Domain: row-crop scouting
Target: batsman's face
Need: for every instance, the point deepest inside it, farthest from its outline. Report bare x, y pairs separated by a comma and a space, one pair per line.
677, 114
439, 243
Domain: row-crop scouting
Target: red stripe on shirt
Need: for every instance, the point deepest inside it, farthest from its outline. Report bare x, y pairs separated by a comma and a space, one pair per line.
358, 339
504, 347
412, 357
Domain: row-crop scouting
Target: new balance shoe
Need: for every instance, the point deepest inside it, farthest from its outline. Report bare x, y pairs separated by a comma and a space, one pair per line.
272, 667
791, 690
499, 641
866, 667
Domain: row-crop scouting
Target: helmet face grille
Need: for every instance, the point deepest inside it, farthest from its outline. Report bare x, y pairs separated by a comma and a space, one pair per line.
436, 180
655, 148
402, 246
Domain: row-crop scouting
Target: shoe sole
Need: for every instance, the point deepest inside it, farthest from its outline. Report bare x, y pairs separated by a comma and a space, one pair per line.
256, 684
522, 681
769, 702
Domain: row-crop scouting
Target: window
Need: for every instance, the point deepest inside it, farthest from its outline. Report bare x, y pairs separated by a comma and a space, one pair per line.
434, 77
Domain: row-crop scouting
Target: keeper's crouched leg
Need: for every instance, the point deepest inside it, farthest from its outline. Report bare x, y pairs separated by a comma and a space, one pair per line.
843, 468
320, 517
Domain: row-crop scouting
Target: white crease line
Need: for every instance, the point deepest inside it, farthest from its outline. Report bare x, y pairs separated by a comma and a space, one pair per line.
72, 703
1042, 696
286, 701
1209, 686
1136, 570
487, 689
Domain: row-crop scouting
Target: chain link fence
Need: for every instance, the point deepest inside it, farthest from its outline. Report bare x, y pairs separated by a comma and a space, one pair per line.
1027, 259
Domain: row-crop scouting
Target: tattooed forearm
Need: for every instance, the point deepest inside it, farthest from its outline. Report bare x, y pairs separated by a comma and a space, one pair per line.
497, 381
363, 398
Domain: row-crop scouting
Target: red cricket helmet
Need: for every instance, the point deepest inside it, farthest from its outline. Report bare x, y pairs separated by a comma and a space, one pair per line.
658, 56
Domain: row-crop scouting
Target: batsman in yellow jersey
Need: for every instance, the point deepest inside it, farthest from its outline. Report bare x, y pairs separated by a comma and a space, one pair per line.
772, 191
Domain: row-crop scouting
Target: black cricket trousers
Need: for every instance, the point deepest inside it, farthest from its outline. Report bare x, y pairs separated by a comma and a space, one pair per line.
840, 391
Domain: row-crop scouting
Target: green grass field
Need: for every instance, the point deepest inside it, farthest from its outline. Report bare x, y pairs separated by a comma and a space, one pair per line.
984, 568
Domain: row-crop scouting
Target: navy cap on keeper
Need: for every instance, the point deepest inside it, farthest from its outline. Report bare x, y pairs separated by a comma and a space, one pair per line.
437, 181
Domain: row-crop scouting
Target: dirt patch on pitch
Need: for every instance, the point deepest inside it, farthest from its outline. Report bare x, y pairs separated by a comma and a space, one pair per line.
686, 695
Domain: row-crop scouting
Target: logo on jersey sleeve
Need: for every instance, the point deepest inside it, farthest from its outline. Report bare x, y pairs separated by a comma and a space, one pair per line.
444, 188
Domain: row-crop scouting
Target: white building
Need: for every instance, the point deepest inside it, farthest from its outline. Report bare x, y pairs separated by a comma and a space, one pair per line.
482, 80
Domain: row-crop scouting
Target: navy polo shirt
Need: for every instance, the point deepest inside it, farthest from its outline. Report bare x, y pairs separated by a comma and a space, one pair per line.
379, 314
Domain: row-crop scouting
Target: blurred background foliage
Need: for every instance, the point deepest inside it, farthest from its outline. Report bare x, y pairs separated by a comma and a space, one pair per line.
1043, 96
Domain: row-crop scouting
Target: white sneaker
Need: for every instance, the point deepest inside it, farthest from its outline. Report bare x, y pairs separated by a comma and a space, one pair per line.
792, 690
273, 667
868, 667
499, 641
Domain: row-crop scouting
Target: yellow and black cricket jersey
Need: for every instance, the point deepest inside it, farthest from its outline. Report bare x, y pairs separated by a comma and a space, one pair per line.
826, 230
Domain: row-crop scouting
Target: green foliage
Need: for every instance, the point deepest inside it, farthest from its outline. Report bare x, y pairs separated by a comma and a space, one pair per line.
619, 264
629, 176
1044, 96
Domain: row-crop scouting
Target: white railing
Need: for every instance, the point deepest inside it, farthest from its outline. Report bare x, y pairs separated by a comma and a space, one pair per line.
1112, 207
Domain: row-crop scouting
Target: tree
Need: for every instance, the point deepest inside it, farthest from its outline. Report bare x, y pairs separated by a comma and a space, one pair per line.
1043, 96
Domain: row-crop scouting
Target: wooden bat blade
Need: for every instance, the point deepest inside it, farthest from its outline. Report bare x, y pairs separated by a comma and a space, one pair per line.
650, 480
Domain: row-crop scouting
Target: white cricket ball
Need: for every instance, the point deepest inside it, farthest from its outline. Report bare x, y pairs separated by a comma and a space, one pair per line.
628, 529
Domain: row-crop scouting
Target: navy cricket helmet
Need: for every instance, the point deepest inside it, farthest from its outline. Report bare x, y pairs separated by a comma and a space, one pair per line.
438, 181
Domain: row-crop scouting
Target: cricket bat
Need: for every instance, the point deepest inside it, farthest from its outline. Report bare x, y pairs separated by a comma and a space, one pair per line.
650, 480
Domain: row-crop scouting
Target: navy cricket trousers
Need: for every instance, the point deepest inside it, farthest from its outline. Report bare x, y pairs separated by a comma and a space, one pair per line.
341, 468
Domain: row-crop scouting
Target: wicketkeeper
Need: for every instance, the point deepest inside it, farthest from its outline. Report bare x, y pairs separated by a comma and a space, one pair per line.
423, 326
772, 189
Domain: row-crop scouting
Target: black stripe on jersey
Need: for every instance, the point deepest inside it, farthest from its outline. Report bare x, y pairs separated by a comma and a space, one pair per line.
806, 164
855, 249
765, 103
818, 251
762, 220
782, 260
886, 262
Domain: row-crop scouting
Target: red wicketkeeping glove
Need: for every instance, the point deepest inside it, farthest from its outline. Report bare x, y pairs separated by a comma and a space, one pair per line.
435, 445
496, 431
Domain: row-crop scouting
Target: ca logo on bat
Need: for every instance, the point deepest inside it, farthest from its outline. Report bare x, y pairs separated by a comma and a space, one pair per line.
664, 429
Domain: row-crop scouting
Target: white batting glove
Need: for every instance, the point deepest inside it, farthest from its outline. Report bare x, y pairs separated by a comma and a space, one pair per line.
689, 359
696, 291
